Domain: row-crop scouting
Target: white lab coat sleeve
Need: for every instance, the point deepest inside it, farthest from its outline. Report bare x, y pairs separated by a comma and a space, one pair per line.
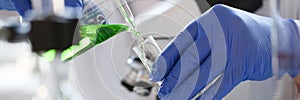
298, 24
289, 9
286, 88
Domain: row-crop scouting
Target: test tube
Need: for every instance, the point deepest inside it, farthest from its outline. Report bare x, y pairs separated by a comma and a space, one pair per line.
127, 14
148, 50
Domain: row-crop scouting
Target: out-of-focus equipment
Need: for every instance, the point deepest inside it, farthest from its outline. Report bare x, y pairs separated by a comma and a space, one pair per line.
15, 34
46, 34
46, 28
137, 79
247, 5
50, 28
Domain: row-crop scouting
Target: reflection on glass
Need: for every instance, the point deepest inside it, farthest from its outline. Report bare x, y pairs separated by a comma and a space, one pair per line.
148, 50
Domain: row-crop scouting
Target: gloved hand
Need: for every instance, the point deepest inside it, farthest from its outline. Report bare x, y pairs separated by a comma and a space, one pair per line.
24, 5
20, 5
223, 40
6, 5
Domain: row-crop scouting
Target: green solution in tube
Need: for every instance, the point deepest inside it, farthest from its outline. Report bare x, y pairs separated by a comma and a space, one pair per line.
92, 36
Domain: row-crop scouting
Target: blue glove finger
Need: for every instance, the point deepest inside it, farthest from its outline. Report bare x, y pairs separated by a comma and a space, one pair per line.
22, 6
183, 91
199, 79
73, 8
230, 78
168, 58
289, 54
222, 86
74, 3
6, 5
190, 60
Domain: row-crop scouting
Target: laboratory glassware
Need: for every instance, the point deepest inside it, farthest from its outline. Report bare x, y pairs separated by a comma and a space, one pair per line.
148, 50
137, 79
92, 35
100, 21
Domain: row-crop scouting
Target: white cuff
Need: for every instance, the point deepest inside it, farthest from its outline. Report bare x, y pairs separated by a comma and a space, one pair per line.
298, 24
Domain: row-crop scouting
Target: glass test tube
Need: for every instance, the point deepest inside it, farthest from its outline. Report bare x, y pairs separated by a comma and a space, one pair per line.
148, 50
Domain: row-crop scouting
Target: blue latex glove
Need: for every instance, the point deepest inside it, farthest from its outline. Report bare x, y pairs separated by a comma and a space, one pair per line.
21, 6
74, 3
73, 8
223, 39
6, 5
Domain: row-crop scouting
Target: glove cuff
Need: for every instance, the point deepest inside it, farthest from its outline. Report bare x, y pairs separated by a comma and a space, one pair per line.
289, 48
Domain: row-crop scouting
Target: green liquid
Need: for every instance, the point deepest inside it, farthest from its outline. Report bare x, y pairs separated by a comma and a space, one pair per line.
92, 36
100, 33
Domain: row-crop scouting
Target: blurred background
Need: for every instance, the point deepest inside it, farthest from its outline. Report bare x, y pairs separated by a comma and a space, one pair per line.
31, 68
